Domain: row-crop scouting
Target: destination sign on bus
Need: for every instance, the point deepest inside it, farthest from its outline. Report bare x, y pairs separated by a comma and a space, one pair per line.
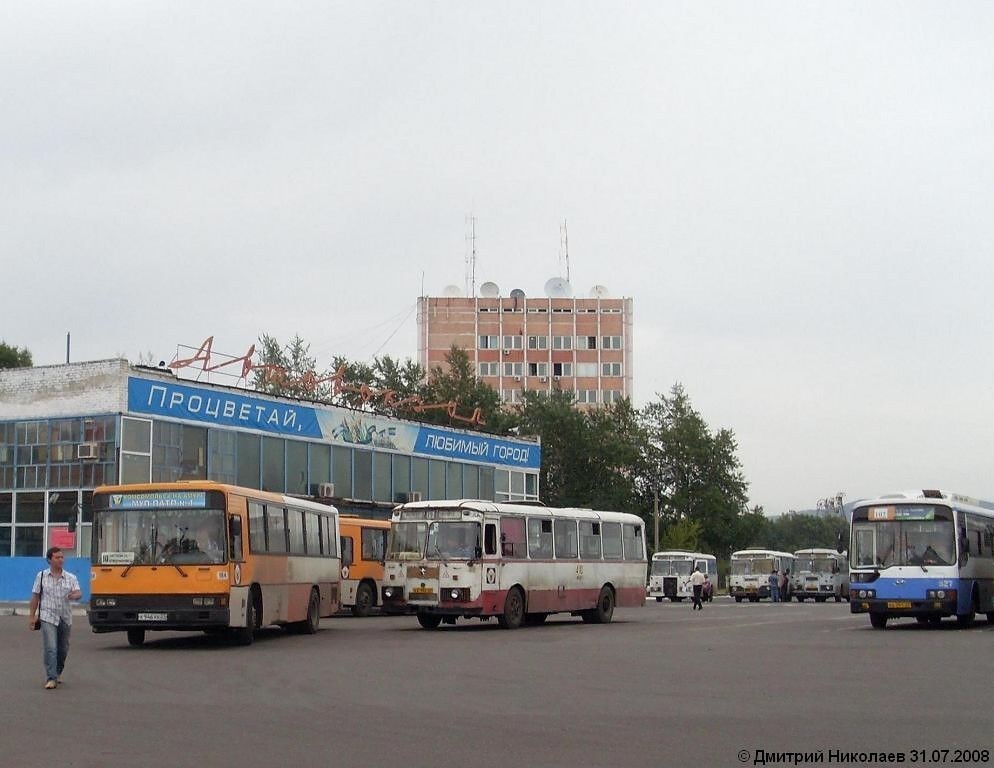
431, 514
901, 513
159, 500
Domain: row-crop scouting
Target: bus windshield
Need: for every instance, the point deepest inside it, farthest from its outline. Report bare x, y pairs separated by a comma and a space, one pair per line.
903, 542
750, 566
156, 536
815, 565
671, 567
454, 540
407, 541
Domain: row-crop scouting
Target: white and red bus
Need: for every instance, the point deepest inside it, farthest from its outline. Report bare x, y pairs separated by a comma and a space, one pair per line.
520, 563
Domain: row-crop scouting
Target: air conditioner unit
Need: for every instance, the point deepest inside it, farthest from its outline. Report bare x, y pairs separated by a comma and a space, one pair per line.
557, 378
412, 496
326, 490
507, 351
517, 378
544, 379
88, 451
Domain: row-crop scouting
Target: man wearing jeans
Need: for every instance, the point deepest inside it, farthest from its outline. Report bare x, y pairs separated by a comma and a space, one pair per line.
50, 596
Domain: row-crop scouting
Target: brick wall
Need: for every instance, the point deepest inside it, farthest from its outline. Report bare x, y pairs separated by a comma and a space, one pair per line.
54, 391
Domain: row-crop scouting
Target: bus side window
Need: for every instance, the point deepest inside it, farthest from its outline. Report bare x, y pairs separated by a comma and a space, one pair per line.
490, 538
346, 550
235, 531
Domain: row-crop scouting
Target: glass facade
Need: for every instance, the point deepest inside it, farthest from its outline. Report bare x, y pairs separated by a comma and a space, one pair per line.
48, 468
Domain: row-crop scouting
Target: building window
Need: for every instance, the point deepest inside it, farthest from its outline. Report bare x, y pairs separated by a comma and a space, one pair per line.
611, 342
586, 370
510, 395
512, 342
538, 369
562, 369
611, 396
489, 369
513, 369
586, 342
136, 450
586, 396
538, 342
610, 369
273, 464
221, 456
562, 342
488, 342
249, 460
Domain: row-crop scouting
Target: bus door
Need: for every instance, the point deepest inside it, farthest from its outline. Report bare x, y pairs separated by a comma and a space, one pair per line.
490, 561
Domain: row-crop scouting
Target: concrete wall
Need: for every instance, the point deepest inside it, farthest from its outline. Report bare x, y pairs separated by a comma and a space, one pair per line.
55, 391
17, 575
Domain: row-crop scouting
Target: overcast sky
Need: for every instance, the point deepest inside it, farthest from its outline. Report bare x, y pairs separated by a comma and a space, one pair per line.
797, 195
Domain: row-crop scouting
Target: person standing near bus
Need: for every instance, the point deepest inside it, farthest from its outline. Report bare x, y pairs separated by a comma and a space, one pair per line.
697, 582
785, 586
775, 586
50, 596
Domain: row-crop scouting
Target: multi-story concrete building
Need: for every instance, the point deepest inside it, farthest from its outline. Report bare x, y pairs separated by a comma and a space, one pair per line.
518, 343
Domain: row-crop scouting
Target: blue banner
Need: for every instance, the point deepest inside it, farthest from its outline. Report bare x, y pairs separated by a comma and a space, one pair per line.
162, 398
472, 447
159, 500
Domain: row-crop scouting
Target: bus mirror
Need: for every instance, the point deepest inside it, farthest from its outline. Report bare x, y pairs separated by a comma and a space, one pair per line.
75, 518
840, 543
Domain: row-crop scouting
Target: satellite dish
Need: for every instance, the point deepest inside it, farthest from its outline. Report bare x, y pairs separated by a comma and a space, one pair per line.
599, 292
558, 288
452, 291
517, 293
490, 290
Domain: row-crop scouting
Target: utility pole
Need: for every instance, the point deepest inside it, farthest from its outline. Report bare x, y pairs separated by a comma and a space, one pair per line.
655, 515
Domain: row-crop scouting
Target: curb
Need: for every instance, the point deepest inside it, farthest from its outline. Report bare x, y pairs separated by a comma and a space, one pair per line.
23, 609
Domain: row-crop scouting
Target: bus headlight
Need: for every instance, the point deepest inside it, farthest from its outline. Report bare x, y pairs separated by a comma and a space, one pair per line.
940, 594
864, 593
203, 601
104, 602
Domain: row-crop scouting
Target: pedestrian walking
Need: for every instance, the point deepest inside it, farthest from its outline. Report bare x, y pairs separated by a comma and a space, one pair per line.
51, 594
775, 586
697, 582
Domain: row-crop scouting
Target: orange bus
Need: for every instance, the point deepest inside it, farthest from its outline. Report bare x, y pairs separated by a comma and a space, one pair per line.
201, 555
363, 547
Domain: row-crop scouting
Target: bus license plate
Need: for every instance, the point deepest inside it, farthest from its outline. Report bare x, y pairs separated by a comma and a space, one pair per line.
898, 603
152, 616
422, 594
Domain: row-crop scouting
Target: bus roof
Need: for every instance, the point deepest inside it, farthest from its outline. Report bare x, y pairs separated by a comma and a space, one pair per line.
818, 551
683, 554
211, 485
758, 552
928, 494
522, 510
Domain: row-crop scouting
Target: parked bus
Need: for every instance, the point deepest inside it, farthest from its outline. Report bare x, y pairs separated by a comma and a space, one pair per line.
669, 574
820, 574
751, 569
206, 556
925, 555
363, 547
477, 559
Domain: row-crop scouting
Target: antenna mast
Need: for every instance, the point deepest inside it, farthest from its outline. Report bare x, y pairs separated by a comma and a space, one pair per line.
564, 246
471, 258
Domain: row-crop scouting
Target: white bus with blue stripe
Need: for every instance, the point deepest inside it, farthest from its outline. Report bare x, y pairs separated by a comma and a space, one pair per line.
924, 555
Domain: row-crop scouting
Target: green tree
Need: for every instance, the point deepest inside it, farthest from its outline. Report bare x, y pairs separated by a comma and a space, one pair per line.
14, 357
589, 459
682, 534
456, 383
696, 471
797, 530
289, 371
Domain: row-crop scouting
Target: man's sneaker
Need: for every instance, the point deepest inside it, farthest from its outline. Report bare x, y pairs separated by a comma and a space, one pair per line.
59, 680
50, 684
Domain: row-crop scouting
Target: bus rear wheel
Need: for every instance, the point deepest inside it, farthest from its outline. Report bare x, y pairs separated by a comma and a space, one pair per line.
428, 620
364, 600
136, 637
878, 621
514, 610
310, 625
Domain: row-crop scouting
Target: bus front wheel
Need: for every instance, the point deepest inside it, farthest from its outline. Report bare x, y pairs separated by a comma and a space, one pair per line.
364, 600
136, 637
428, 620
245, 635
514, 610
878, 621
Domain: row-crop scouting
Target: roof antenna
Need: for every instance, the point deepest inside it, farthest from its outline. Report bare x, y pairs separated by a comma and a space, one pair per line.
564, 249
471, 258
